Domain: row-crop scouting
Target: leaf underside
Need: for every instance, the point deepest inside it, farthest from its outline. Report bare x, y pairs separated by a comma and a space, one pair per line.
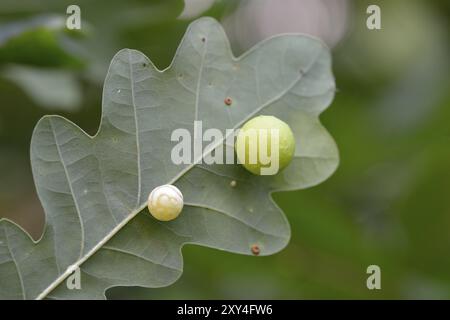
94, 189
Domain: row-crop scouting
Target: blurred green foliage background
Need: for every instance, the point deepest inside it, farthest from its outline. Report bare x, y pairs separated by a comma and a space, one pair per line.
389, 201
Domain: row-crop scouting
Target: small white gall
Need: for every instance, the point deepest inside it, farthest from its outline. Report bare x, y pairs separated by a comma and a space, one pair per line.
165, 202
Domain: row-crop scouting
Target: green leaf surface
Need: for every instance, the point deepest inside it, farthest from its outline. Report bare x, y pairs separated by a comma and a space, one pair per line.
94, 189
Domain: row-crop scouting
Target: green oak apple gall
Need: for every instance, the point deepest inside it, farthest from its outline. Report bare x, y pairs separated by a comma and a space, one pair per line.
264, 141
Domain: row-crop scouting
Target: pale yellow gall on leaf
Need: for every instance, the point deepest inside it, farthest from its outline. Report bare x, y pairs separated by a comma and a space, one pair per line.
165, 202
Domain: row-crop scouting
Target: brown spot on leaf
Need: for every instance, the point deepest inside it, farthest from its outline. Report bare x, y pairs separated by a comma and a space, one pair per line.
255, 249
228, 101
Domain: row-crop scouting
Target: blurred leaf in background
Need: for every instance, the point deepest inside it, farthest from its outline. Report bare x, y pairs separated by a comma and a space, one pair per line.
30, 53
55, 89
37, 41
41, 38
